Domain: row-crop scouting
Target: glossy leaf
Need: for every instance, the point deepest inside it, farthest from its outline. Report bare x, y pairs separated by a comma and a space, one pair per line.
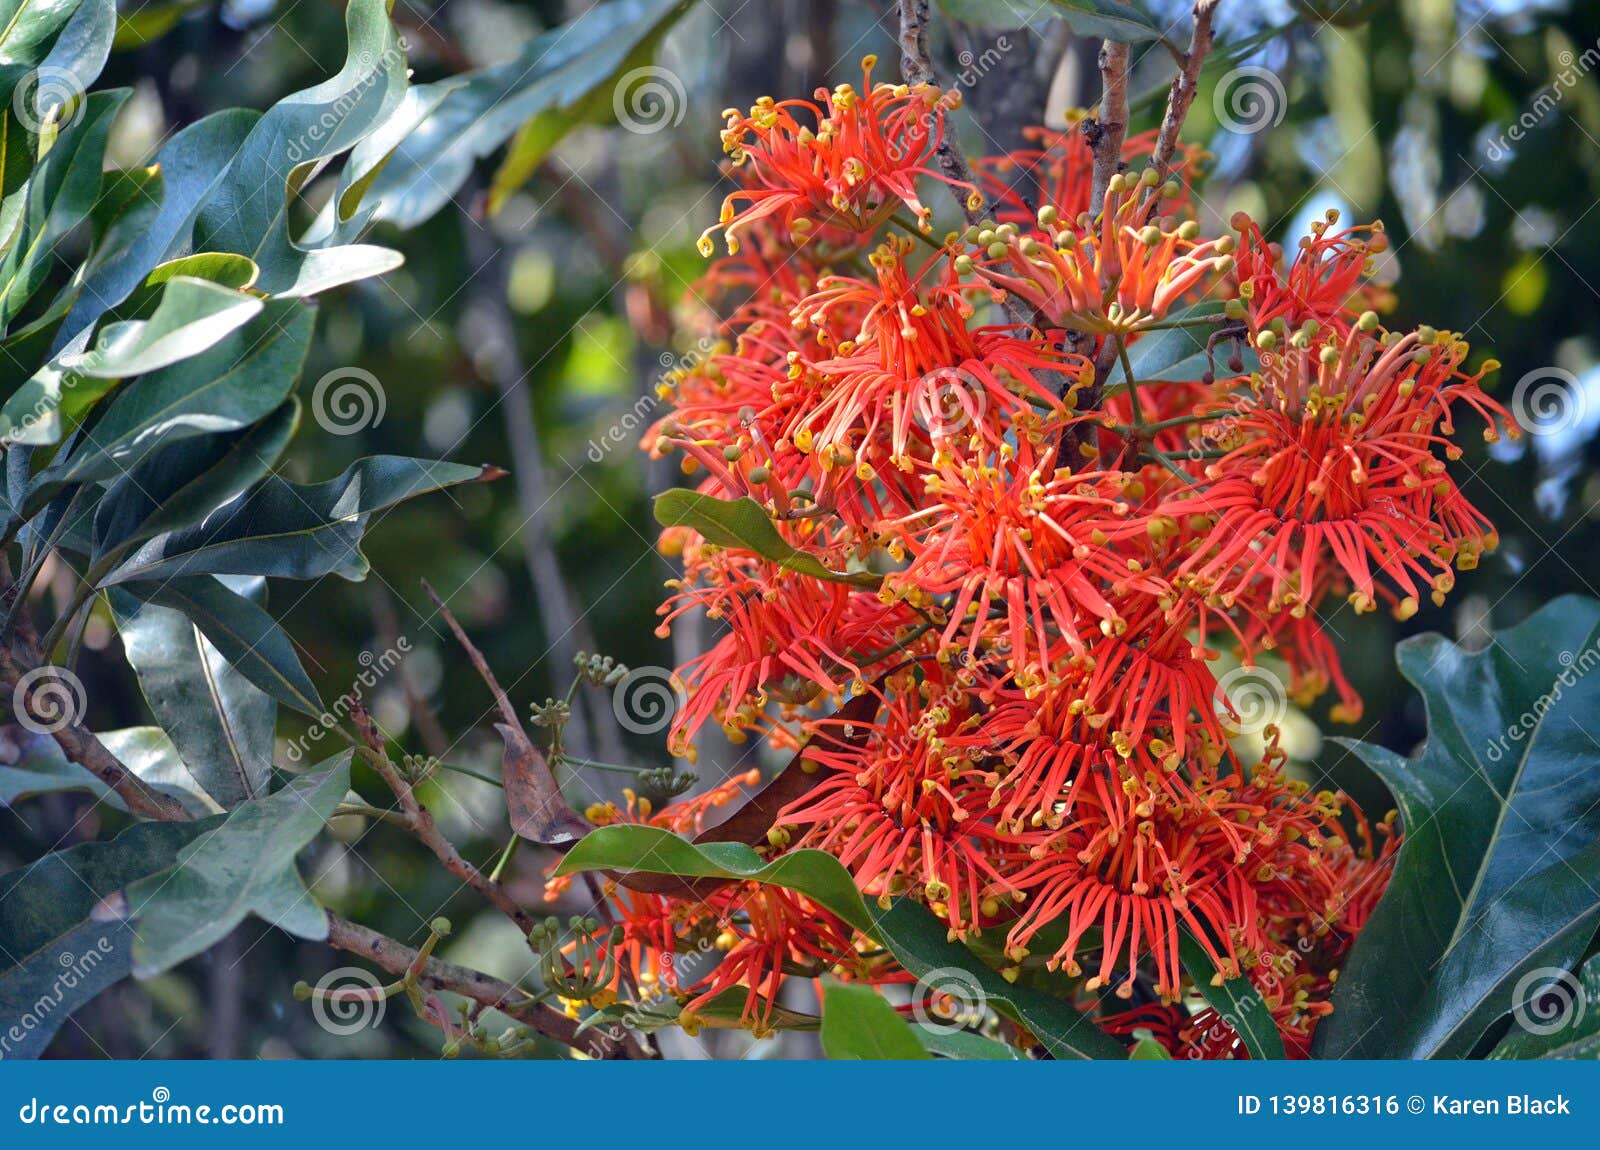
1559, 1017
1176, 354
184, 482
743, 523
999, 14
248, 213
193, 164
1235, 999
40, 768
192, 315
220, 722
245, 866
347, 214
857, 1024
918, 940
62, 937
1501, 815
553, 71
81, 49
248, 638
148, 753
26, 26
234, 384
292, 530
1108, 20
58, 196
962, 1045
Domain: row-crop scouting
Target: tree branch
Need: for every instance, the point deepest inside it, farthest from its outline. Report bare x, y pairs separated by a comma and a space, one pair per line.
419, 820
1181, 97
79, 744
1106, 134
598, 1042
916, 67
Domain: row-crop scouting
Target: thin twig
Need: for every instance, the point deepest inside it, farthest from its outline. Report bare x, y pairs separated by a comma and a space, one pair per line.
476, 656
916, 67
436, 974
80, 745
1180, 98
420, 822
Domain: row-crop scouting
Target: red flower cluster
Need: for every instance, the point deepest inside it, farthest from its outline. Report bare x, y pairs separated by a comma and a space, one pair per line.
1034, 589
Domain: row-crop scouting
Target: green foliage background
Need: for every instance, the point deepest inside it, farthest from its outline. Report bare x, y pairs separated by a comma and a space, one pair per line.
561, 307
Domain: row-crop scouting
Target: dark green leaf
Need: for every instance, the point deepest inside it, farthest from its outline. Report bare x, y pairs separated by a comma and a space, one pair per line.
245, 866
191, 316
344, 217
628, 89
1108, 20
59, 194
245, 635
1558, 1017
192, 164
1501, 814
220, 723
744, 524
80, 51
26, 26
1177, 354
45, 899
918, 940
184, 482
41, 992
41, 768
292, 530
62, 937
234, 384
999, 14
1235, 999
858, 1024
942, 1042
553, 71
149, 754
249, 211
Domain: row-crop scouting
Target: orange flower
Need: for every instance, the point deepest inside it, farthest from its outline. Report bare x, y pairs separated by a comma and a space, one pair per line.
1321, 285
1010, 532
910, 368
846, 163
906, 804
789, 639
1058, 169
1110, 274
1334, 464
